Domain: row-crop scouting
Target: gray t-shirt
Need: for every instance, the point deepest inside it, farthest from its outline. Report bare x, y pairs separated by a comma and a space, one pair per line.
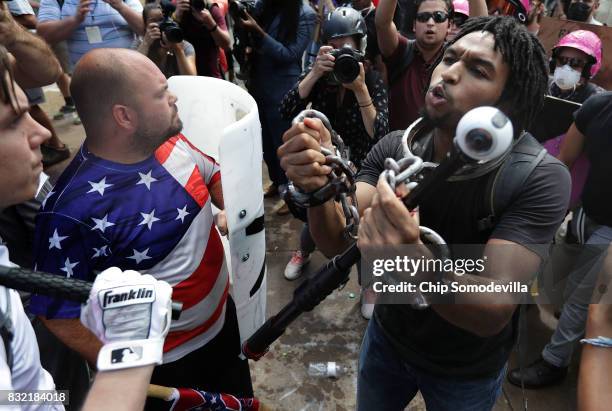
423, 338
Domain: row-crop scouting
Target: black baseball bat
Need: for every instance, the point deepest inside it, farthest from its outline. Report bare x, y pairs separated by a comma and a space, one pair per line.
55, 286
335, 273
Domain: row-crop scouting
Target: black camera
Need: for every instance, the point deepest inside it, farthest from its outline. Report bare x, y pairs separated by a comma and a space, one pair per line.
243, 39
346, 65
239, 8
167, 26
200, 5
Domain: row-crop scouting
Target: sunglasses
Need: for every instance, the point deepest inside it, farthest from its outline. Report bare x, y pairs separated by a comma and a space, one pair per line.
576, 64
438, 16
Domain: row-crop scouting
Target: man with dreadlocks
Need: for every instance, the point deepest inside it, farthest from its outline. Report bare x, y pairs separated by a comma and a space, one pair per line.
455, 355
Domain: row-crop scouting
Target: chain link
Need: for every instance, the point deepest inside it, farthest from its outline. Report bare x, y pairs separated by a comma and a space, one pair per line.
341, 185
408, 171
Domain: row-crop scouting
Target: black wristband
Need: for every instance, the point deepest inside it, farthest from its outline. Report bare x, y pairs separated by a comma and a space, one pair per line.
214, 28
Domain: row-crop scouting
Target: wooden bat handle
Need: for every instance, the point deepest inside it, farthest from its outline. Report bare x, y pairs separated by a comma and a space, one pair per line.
161, 392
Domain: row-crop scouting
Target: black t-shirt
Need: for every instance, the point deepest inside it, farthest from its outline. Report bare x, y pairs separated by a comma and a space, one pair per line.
425, 339
594, 120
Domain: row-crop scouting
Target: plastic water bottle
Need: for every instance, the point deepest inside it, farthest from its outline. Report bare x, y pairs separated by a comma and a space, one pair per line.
328, 369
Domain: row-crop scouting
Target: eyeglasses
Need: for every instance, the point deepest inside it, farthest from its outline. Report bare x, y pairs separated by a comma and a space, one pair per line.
438, 16
459, 19
577, 64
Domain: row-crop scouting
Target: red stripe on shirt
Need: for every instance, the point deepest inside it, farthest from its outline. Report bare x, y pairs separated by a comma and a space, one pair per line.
163, 152
176, 338
196, 287
214, 179
196, 187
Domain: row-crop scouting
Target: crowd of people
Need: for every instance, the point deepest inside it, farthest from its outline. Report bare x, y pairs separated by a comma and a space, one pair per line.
132, 210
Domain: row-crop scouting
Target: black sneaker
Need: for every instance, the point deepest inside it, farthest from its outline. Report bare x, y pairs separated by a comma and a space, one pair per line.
538, 374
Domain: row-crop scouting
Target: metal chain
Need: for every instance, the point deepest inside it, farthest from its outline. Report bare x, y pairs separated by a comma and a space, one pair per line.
408, 171
341, 185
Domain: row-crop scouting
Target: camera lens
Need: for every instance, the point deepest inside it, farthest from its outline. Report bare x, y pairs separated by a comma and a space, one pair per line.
479, 140
346, 68
198, 5
173, 33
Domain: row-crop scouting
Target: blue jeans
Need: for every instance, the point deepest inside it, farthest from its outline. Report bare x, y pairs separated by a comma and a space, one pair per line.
387, 383
579, 288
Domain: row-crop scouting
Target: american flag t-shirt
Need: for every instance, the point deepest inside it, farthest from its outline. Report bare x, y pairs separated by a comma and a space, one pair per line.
154, 217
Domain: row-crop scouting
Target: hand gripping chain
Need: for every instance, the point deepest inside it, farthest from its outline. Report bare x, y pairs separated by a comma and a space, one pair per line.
341, 185
409, 171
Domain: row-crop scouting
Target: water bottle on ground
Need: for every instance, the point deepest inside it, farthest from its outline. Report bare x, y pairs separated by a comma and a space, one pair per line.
329, 369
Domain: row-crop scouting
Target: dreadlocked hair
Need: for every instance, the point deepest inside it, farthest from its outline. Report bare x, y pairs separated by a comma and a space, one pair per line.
523, 94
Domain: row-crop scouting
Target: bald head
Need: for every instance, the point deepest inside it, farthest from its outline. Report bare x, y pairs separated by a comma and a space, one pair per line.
104, 78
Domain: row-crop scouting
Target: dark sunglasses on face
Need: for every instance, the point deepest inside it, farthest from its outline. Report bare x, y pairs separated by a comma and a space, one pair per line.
459, 19
576, 64
438, 16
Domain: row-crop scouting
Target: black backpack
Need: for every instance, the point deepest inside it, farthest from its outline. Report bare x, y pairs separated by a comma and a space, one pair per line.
505, 184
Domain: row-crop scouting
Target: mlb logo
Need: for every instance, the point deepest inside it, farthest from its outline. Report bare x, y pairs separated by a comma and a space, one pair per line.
126, 355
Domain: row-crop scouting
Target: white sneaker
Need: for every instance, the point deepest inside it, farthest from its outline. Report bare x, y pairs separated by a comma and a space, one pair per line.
368, 300
296, 264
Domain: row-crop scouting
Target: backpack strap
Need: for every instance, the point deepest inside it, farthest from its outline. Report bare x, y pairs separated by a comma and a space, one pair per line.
6, 329
505, 185
407, 57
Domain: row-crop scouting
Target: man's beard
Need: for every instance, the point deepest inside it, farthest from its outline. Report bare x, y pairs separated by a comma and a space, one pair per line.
148, 139
443, 122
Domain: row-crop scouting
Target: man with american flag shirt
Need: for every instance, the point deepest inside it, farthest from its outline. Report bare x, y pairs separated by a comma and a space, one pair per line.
138, 196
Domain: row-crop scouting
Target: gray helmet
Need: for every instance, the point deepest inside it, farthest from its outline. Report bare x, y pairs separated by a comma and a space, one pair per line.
345, 22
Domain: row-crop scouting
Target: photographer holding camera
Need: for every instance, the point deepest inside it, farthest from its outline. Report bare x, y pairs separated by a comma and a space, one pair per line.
354, 99
203, 26
172, 57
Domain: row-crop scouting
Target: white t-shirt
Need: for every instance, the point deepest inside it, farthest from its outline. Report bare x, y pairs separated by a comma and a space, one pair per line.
27, 373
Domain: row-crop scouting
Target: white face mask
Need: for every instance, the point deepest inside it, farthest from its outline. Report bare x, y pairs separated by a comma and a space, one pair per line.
566, 77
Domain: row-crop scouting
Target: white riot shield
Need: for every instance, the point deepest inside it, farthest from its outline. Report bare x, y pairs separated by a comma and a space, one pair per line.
222, 120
